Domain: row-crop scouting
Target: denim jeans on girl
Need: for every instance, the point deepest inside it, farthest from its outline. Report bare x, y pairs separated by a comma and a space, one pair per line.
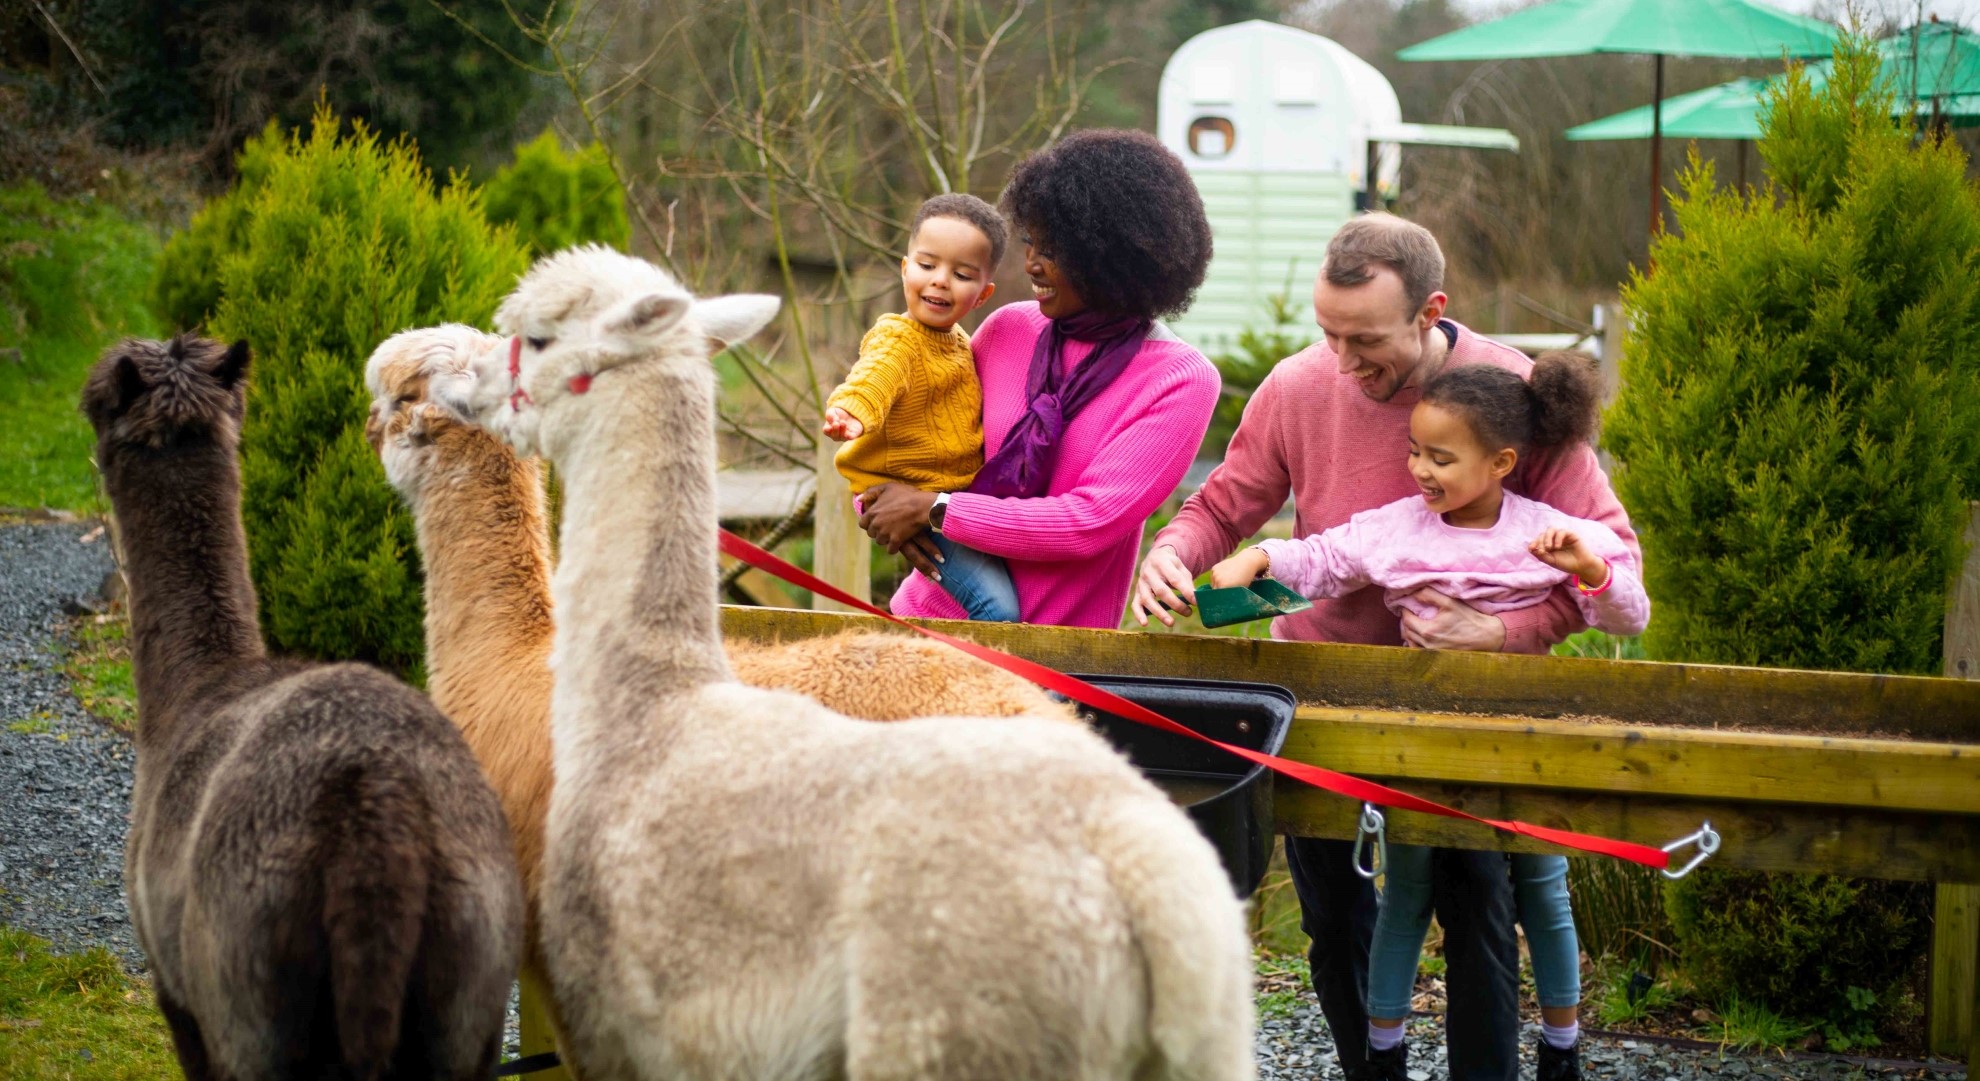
979, 582
1541, 894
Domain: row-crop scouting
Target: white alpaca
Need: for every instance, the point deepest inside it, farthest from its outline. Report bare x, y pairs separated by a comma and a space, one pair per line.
740, 883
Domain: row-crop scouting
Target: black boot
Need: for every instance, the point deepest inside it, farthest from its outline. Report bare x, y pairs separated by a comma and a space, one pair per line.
1559, 1065
1390, 1065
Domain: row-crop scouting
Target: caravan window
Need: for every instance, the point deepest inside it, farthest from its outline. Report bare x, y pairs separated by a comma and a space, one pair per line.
1211, 137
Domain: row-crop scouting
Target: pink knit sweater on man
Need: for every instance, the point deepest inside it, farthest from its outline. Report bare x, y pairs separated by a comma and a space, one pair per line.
1405, 546
1072, 551
1310, 432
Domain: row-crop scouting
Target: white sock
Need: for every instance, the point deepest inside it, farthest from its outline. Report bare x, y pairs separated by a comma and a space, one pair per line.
1381, 1039
1562, 1038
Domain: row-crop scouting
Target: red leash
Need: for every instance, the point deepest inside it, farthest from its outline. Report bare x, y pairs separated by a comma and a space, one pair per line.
1081, 691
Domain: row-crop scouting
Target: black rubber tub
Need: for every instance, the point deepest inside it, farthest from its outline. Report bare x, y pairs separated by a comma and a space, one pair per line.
1228, 798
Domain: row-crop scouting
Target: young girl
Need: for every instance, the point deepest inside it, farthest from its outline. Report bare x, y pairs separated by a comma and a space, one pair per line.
1469, 538
911, 409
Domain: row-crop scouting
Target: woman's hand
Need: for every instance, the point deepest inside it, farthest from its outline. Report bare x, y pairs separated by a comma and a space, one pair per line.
894, 513
841, 425
1240, 569
1562, 550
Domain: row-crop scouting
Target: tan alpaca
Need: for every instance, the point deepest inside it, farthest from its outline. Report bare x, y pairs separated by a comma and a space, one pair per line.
479, 510
741, 883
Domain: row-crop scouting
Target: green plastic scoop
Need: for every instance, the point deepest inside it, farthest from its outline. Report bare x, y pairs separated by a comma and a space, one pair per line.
1262, 599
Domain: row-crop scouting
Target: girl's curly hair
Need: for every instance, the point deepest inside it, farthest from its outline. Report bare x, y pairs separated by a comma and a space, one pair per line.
1120, 216
1561, 404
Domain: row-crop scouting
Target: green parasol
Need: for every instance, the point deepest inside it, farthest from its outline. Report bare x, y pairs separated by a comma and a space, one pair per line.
1932, 70
1660, 28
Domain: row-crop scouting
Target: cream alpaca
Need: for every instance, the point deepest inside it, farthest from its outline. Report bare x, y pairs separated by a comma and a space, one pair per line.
741, 883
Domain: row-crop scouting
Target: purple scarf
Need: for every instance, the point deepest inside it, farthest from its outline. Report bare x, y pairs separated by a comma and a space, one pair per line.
1023, 465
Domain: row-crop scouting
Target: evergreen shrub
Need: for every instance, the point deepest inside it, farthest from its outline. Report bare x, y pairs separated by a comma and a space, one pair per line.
1797, 435
1798, 430
555, 199
342, 242
1834, 950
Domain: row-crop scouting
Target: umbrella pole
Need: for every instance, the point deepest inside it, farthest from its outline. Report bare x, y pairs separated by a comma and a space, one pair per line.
1657, 152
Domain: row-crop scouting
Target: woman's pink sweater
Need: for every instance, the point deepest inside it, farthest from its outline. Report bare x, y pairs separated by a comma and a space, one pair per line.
1072, 550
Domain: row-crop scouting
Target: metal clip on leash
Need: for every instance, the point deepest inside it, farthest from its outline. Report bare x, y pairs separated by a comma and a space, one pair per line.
1707, 840
1372, 825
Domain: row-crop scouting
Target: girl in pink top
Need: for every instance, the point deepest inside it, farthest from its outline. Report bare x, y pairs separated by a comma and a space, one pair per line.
1464, 534
1467, 537
1092, 409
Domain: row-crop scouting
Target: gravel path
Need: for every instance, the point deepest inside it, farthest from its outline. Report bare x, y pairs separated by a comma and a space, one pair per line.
1296, 1047
65, 779
65, 785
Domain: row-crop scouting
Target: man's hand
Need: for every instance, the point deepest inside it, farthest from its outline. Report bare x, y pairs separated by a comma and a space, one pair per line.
894, 514
841, 425
1164, 585
1456, 625
1562, 550
1240, 570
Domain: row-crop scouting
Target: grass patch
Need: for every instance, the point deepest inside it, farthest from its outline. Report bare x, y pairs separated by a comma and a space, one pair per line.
37, 725
1749, 1026
1601, 646
73, 279
98, 669
1624, 995
76, 1017
1282, 981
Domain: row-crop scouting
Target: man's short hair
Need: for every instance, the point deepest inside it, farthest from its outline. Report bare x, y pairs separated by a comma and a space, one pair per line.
1376, 240
970, 210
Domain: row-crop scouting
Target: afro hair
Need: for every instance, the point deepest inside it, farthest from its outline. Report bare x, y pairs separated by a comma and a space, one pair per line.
1120, 216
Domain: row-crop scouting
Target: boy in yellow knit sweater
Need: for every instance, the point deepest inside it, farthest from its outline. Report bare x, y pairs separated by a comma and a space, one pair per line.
911, 409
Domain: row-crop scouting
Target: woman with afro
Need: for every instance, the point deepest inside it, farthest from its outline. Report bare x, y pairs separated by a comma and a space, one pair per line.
1092, 408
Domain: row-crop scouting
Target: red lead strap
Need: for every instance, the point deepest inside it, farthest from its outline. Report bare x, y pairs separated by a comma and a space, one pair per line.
1080, 691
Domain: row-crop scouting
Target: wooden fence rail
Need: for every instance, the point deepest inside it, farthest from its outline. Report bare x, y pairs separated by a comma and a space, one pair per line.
1873, 776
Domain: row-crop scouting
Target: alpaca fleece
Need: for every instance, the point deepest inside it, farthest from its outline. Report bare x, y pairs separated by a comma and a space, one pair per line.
739, 882
316, 868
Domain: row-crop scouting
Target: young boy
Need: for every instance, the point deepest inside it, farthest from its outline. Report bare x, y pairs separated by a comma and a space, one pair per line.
911, 409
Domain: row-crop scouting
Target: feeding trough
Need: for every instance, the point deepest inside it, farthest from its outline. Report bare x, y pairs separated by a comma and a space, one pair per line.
1228, 798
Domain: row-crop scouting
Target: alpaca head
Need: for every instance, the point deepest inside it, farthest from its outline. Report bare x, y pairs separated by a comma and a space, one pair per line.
406, 375
580, 315
145, 394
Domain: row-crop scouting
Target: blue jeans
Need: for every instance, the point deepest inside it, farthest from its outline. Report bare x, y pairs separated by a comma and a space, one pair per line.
979, 582
1541, 894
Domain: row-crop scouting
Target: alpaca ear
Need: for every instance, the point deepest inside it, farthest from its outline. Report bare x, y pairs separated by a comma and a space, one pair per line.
647, 316
233, 366
731, 319
126, 385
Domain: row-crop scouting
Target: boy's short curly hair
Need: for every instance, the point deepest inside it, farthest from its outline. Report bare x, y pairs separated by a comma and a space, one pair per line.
1120, 216
974, 211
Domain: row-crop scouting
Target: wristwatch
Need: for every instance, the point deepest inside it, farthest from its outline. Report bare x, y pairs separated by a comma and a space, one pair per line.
938, 512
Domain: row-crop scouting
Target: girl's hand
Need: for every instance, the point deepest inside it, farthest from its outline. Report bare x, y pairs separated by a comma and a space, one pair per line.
1240, 569
1562, 550
841, 425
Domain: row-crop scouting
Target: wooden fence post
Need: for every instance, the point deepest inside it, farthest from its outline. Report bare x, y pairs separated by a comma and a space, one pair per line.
840, 551
1950, 1017
535, 1025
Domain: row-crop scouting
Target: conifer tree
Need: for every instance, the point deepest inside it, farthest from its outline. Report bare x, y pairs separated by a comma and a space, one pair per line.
339, 242
555, 199
1798, 431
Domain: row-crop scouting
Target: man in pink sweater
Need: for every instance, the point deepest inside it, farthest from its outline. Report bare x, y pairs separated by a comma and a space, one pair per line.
1330, 427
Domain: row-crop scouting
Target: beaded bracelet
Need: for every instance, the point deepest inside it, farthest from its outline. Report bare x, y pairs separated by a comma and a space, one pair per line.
1608, 579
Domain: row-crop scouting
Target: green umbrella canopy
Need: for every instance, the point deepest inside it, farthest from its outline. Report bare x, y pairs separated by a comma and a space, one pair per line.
1724, 28
1727, 28
1945, 75
1727, 111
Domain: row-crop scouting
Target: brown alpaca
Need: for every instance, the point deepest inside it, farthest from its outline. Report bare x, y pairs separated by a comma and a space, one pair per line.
484, 538
318, 874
